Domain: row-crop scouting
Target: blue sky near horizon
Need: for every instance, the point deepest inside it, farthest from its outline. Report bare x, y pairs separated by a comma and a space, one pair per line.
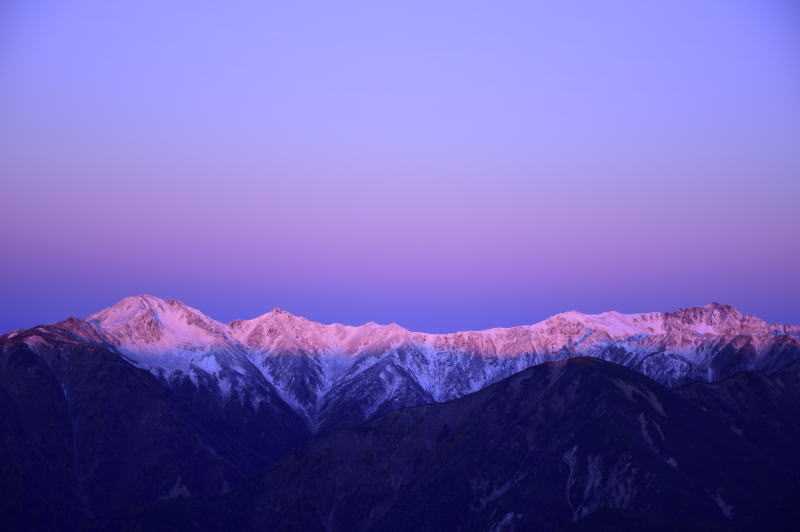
442, 165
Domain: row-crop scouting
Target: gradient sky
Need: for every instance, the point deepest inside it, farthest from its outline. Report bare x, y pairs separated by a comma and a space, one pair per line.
442, 165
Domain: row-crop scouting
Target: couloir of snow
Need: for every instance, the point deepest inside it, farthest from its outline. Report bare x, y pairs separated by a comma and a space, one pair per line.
327, 371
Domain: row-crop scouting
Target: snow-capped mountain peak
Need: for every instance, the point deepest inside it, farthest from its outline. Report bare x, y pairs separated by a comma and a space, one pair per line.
126, 309
148, 323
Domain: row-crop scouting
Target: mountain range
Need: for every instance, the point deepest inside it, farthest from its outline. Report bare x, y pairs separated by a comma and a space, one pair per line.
335, 374
151, 400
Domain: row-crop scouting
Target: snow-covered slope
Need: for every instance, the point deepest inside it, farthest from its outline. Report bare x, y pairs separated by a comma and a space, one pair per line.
177, 342
335, 375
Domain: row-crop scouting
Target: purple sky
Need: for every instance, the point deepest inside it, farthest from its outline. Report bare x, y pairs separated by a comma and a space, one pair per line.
443, 165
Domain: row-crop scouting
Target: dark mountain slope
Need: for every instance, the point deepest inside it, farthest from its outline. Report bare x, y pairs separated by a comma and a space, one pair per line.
37, 483
84, 432
761, 409
581, 444
541, 450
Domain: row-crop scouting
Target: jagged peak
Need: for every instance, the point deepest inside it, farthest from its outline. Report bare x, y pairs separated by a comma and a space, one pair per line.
126, 308
129, 307
569, 314
275, 312
713, 311
714, 305
721, 306
146, 321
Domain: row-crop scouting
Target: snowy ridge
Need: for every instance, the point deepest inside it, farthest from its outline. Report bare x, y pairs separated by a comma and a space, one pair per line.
333, 372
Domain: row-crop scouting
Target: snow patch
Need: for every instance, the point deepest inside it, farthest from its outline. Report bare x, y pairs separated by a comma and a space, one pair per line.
34, 342
724, 507
630, 391
505, 523
178, 490
208, 364
645, 432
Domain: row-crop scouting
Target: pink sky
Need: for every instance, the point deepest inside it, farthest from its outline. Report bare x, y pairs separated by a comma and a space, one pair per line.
450, 167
